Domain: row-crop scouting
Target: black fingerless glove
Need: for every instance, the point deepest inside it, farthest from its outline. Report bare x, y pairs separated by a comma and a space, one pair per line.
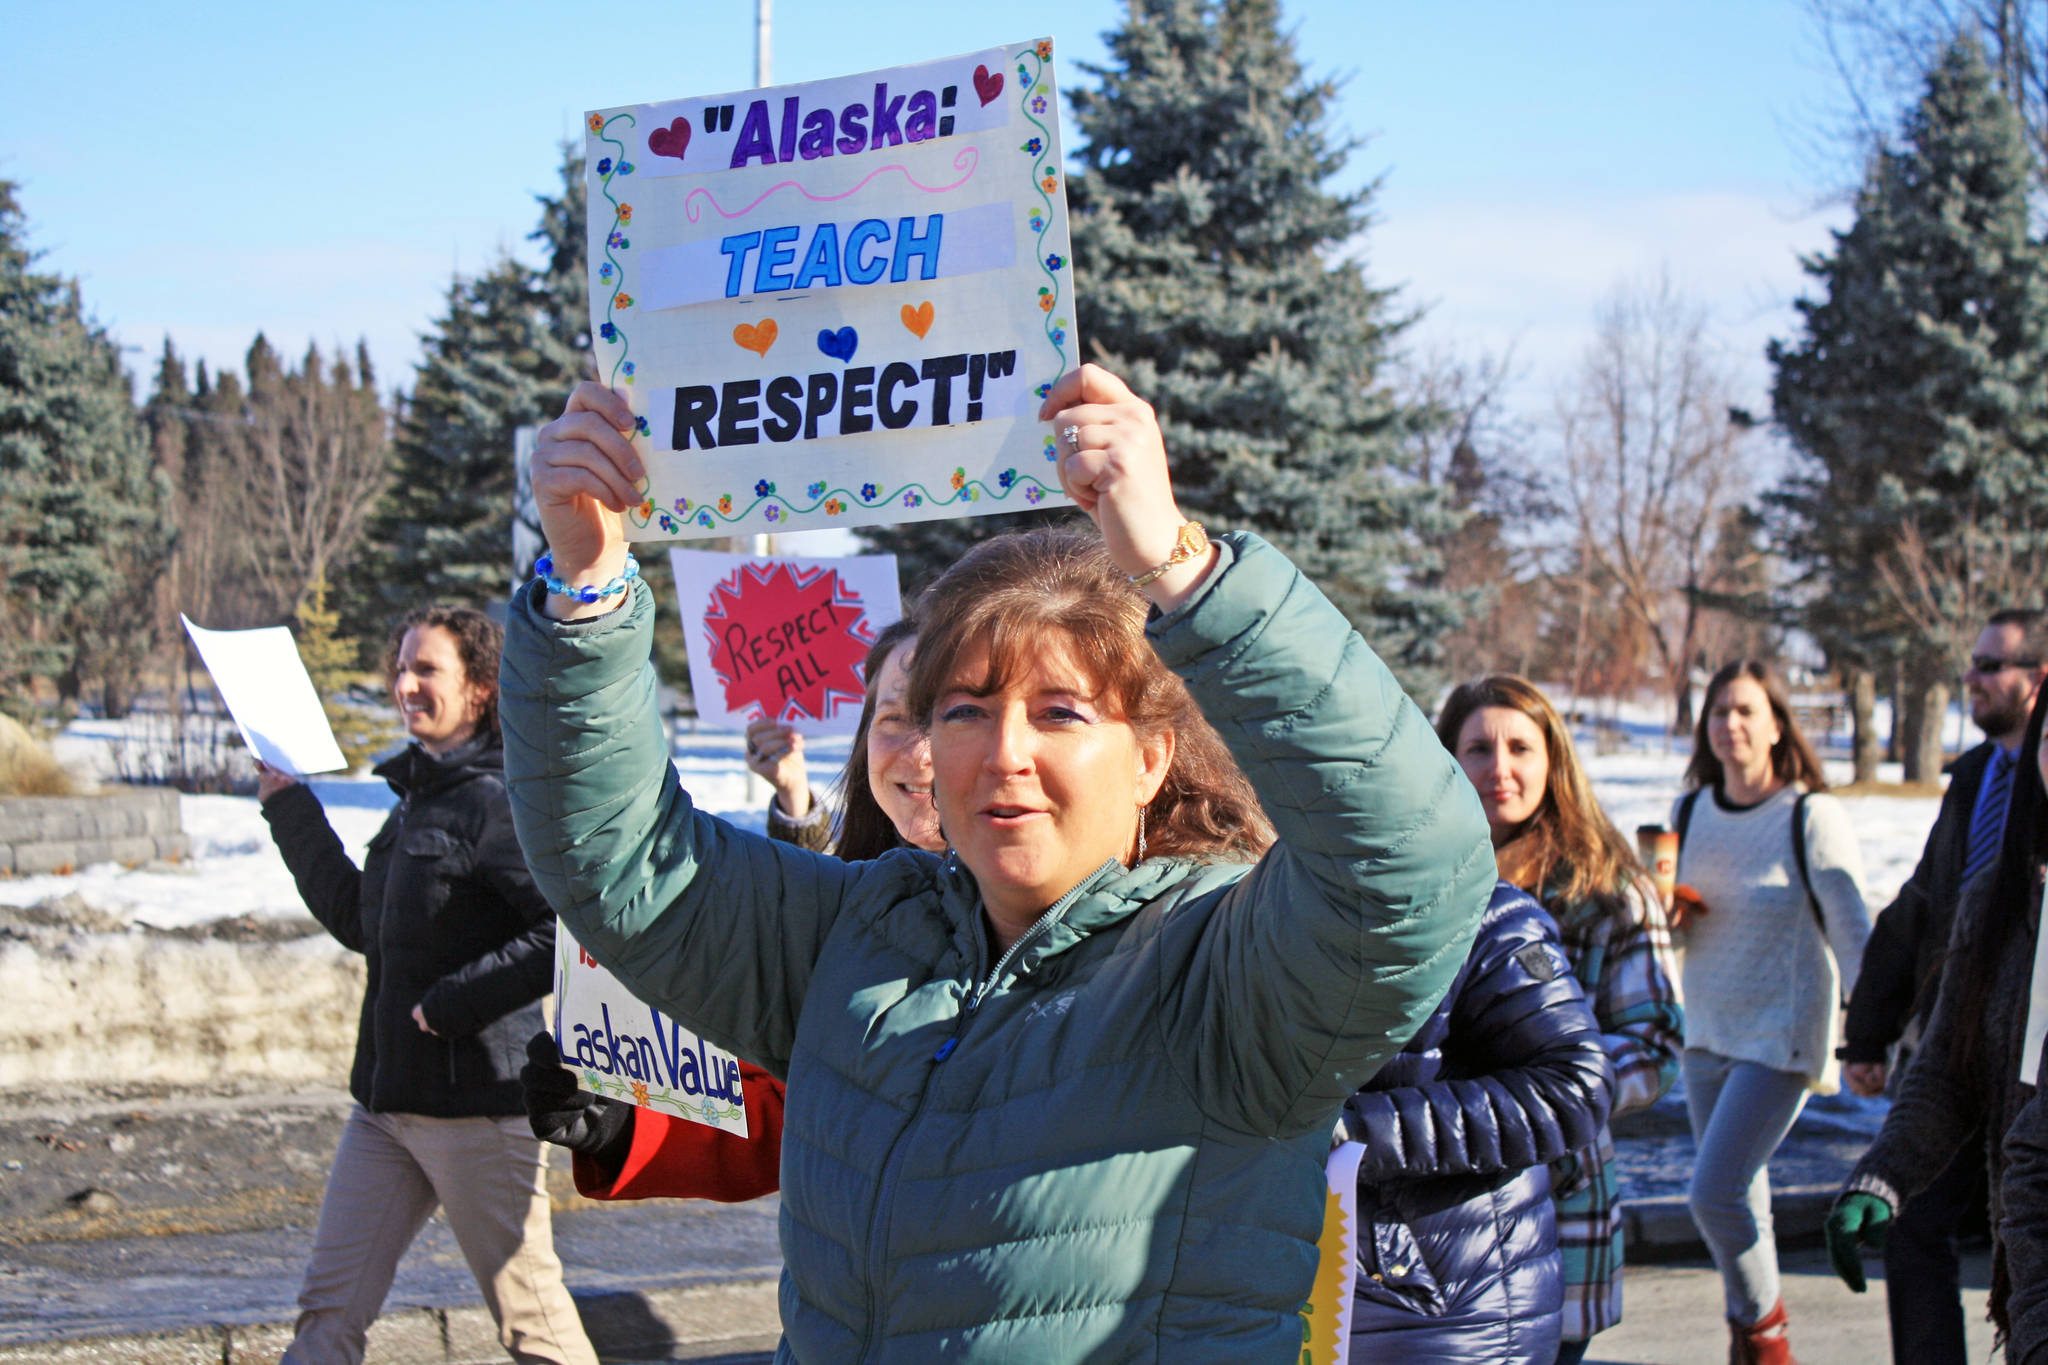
564, 1113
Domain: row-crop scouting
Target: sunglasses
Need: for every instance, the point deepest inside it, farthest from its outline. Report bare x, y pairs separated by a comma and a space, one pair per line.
1991, 663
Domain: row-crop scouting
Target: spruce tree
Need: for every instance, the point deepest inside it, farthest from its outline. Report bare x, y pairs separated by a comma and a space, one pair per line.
84, 514
563, 281
1213, 271
505, 354
510, 348
1917, 395
443, 531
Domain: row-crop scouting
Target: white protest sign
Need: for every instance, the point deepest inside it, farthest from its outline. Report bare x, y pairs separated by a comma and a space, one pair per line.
621, 1047
264, 683
836, 303
2037, 1010
782, 638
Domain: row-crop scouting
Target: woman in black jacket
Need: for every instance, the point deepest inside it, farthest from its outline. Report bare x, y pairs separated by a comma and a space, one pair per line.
460, 949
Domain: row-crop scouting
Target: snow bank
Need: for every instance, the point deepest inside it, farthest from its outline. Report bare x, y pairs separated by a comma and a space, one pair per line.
135, 1007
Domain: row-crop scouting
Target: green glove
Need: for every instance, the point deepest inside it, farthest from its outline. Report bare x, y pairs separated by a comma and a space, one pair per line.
1856, 1218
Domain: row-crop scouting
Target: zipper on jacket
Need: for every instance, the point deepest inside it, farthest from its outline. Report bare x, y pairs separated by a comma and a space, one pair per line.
879, 1226
1053, 915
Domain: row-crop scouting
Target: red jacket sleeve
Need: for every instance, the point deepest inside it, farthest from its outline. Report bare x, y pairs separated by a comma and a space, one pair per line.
673, 1158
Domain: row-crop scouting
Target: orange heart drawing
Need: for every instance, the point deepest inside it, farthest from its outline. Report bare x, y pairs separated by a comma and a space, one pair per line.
757, 337
918, 319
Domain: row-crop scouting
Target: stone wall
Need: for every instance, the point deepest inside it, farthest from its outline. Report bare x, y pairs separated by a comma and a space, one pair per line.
40, 834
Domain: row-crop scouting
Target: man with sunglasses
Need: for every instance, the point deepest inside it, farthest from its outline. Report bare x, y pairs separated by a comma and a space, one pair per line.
1895, 991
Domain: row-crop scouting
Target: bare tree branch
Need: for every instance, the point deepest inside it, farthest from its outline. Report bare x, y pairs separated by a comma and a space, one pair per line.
1652, 460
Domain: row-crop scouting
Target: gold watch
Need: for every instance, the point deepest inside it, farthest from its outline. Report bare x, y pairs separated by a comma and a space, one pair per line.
1192, 543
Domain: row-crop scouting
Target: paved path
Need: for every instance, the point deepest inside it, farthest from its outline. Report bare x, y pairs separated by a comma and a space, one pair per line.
233, 1305
191, 1248
1673, 1315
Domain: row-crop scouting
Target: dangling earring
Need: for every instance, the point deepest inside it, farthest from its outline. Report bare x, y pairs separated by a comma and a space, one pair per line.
1141, 834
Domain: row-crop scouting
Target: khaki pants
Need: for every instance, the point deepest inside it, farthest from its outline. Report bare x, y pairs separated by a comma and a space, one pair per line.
389, 1173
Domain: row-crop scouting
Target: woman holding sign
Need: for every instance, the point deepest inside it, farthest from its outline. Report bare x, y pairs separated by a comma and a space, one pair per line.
459, 946
1067, 1092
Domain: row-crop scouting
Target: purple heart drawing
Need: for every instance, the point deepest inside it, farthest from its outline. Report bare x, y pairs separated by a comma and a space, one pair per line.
673, 140
839, 345
986, 85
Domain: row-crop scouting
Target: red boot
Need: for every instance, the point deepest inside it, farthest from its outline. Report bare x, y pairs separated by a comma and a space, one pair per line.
1767, 1341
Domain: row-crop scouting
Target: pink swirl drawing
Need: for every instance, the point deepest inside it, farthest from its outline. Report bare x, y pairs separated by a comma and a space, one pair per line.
965, 163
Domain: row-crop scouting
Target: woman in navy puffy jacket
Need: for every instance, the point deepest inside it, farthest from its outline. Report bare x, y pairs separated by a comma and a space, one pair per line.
1457, 1245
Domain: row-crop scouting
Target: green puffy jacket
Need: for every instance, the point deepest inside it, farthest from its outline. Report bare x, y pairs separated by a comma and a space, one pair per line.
1109, 1144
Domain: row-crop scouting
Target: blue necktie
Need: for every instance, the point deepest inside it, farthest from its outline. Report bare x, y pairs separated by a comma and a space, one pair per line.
1989, 825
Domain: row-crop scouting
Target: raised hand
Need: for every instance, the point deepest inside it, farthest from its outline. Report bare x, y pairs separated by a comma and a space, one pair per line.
776, 752
585, 474
1113, 464
270, 781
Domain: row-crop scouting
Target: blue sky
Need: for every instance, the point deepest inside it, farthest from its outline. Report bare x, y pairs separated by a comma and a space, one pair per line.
231, 167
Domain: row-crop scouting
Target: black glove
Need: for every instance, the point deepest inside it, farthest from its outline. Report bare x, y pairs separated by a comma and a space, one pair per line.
564, 1113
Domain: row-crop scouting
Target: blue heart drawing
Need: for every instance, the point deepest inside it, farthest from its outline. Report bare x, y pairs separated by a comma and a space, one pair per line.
839, 345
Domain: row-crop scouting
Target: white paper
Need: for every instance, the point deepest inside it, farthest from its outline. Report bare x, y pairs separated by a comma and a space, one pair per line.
782, 637
264, 683
620, 1046
2037, 1008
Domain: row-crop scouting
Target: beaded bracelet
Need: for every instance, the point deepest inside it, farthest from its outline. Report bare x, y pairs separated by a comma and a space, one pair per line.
545, 567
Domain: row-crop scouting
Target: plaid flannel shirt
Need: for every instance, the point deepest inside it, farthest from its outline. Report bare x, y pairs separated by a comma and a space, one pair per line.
1631, 981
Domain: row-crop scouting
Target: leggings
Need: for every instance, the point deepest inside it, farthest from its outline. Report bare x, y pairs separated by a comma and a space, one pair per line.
1740, 1112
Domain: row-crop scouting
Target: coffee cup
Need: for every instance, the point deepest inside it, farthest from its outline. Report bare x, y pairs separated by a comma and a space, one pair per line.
1658, 848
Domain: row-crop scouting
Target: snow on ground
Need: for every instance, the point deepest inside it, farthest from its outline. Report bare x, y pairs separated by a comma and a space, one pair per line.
235, 870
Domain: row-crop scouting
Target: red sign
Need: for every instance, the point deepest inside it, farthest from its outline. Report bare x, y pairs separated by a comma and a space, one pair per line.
787, 642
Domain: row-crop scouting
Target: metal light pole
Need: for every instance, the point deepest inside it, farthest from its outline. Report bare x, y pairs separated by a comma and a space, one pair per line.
764, 27
764, 544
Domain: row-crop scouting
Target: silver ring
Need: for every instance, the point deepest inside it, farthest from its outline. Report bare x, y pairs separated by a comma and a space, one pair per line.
1073, 435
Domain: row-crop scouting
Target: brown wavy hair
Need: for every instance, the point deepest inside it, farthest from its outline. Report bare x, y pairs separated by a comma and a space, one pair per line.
478, 642
865, 830
1568, 850
1009, 593
1792, 758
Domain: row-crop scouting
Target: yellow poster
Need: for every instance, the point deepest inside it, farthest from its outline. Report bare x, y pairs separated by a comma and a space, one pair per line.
1326, 1320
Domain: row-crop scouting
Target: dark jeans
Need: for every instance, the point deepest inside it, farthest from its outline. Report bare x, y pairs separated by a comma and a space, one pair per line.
1922, 1295
1572, 1352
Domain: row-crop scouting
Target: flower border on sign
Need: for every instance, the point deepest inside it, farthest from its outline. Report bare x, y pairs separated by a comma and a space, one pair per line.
672, 1101
725, 508
1033, 90
609, 169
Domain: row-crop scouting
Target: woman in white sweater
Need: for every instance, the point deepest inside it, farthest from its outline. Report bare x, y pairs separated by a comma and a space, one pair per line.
1769, 955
